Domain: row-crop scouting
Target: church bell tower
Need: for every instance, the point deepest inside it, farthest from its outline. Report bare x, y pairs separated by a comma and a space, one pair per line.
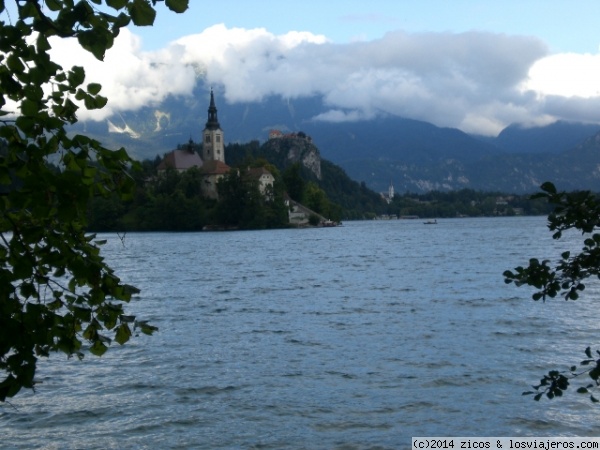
213, 148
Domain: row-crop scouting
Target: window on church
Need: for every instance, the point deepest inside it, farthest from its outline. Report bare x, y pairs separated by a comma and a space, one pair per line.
218, 138
207, 139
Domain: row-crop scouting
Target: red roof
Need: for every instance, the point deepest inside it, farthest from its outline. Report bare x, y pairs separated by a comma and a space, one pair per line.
215, 168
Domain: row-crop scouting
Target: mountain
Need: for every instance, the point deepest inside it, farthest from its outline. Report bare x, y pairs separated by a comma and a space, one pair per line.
557, 137
415, 156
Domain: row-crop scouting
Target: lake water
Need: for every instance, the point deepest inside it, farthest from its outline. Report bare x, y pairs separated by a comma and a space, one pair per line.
354, 337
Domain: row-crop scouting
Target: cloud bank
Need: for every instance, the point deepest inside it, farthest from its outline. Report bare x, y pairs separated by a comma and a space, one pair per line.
476, 81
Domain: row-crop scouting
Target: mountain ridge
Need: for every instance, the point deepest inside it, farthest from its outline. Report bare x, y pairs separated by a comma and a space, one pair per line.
416, 156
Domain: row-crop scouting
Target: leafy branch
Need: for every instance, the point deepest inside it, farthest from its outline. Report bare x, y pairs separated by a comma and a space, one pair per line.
56, 290
580, 211
555, 383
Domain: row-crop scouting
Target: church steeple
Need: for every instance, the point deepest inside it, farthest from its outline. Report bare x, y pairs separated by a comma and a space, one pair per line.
213, 148
213, 121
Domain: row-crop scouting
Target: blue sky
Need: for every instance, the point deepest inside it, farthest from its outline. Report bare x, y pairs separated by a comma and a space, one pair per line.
566, 26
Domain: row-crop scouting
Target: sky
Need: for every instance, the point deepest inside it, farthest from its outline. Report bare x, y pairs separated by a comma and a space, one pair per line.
474, 65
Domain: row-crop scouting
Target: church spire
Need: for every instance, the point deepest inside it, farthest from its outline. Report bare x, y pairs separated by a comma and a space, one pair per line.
213, 147
213, 121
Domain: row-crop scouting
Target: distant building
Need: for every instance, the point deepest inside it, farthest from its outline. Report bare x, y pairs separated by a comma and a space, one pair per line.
389, 195
181, 159
263, 176
276, 134
212, 172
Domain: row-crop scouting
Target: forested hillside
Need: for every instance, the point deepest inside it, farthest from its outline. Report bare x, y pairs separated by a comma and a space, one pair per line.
355, 199
173, 201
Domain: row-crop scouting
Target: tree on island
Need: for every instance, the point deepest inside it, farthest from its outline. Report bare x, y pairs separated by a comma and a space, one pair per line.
572, 211
56, 291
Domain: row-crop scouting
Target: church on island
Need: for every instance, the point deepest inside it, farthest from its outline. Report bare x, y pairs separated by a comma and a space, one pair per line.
212, 164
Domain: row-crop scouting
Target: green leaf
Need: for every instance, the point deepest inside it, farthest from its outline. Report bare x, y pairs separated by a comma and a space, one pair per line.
84, 314
76, 76
98, 348
142, 14
144, 327
97, 102
30, 108
123, 333
15, 64
177, 6
94, 88
116, 4
582, 390
54, 5
95, 41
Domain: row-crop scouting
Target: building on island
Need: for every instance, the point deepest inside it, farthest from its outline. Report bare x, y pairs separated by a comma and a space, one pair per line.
181, 159
212, 163
212, 172
263, 177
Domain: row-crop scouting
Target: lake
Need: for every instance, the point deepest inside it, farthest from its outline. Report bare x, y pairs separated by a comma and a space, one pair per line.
355, 337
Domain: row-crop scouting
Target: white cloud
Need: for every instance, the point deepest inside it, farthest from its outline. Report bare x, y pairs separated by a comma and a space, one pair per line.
130, 78
479, 82
566, 75
336, 115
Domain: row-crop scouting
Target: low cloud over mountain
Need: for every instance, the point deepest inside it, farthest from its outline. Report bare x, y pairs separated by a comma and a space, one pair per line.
478, 82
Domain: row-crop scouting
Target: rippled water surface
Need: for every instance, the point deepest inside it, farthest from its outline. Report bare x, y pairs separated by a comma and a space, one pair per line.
353, 337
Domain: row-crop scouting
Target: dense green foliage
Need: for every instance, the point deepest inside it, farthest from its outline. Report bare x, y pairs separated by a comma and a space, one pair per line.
346, 198
572, 211
56, 291
242, 205
466, 203
356, 199
174, 201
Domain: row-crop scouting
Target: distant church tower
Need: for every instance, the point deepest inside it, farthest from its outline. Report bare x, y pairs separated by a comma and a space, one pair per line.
213, 148
391, 191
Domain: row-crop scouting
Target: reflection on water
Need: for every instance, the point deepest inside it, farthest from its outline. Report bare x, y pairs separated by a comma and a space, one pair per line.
353, 337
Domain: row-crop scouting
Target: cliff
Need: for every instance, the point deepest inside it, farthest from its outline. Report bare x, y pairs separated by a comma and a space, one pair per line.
289, 149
